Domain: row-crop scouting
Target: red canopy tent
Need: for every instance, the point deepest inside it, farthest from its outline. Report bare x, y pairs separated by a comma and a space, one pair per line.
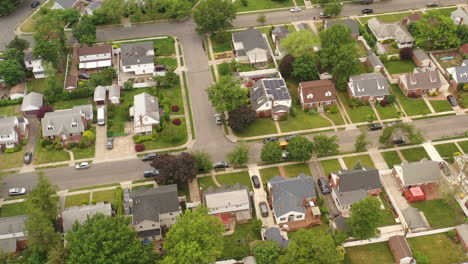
414, 194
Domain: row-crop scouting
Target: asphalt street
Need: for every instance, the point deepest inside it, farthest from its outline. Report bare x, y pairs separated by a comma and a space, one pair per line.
10, 22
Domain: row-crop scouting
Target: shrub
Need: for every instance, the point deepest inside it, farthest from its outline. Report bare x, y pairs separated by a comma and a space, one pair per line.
323, 209
284, 117
383, 103
306, 110
7, 102
139, 147
82, 144
451, 234
175, 108
84, 202
406, 53
167, 116
334, 109
24, 141
177, 122
71, 145
13, 149
319, 201
390, 99
49, 147
355, 102
58, 146
140, 138
245, 2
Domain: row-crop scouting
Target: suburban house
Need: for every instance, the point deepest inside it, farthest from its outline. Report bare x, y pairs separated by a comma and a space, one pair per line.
145, 113
97, 56
111, 92
270, 97
154, 210
391, 31
374, 62
400, 250
317, 94
274, 234
34, 64
137, 58
368, 86
459, 16
229, 203
81, 213
251, 47
277, 34
460, 73
64, 4
421, 59
350, 186
462, 234
31, 103
352, 24
12, 131
67, 124
89, 9
12, 234
17, 91
418, 83
293, 201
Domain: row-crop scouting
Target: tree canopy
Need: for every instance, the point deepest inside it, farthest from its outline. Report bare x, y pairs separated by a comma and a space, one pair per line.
333, 9
361, 142
365, 217
299, 43
203, 161
271, 152
435, 31
266, 252
240, 155
240, 118
174, 168
324, 145
299, 148
304, 68
18, 43
11, 71
226, 94
85, 31
213, 16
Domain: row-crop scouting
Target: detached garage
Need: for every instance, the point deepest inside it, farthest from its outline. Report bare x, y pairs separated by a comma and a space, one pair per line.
400, 250
31, 103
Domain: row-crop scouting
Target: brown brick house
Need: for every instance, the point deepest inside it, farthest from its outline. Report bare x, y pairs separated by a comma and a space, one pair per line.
418, 83
318, 94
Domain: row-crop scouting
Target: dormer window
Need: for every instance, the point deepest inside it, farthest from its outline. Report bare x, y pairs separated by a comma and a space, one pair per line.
310, 96
74, 124
50, 127
328, 93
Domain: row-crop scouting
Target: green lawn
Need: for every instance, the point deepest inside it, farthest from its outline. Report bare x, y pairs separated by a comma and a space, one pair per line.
164, 47
245, 67
357, 114
84, 153
365, 161
330, 166
391, 158
261, 126
104, 196
77, 199
438, 248
387, 112
399, 66
262, 4
224, 45
14, 209
237, 245
40, 85
149, 186
369, 254
336, 117
296, 169
70, 103
386, 18
387, 215
441, 214
269, 173
11, 160
303, 121
95, 187
464, 146
447, 11
174, 95
42, 156
205, 182
233, 178
361, 49
411, 106
169, 62
9, 110
167, 139
30, 24
446, 150
361, 68
441, 105
414, 154
316, 229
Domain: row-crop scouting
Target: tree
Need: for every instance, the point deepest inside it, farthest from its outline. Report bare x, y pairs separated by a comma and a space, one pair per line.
194, 238
226, 94
365, 217
224, 69
357, 165
361, 142
390, 98
266, 252
14, 54
214, 16
89, 135
85, 31
324, 145
261, 19
338, 53
333, 9
462, 33
240, 155
178, 9
299, 148
435, 31
406, 53
370, 118
240, 118
299, 43
44, 197
453, 186
57, 255
286, 65
309, 246
304, 69
271, 152
113, 10
11, 71
106, 239
421, 258
17, 43
7, 6
174, 168
203, 161
168, 80
43, 110
407, 130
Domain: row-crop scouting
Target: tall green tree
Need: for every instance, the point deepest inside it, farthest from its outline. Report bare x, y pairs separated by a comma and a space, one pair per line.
203, 161
333, 9
309, 246
361, 142
213, 16
18, 43
271, 152
324, 145
299, 43
7, 6
57, 255
239, 156
85, 31
106, 239
14, 54
113, 10
365, 217
304, 68
11, 71
50, 37
44, 197
299, 148
179, 9
227, 94
266, 252
194, 238
436, 31
240, 118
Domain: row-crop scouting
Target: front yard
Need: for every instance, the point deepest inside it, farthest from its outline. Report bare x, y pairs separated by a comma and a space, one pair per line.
11, 160
441, 105
76, 199
414, 154
336, 118
269, 173
237, 245
369, 254
447, 149
296, 169
330, 165
70, 103
104, 196
357, 114
365, 160
411, 106
171, 136
302, 121
464, 146
391, 158
14, 209
42, 156
386, 112
205, 182
169, 62
438, 248
262, 4
224, 45
84, 153
233, 178
441, 214
399, 66
386, 18
261, 126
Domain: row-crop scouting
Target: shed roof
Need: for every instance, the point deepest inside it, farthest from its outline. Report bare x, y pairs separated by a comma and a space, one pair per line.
399, 247
32, 101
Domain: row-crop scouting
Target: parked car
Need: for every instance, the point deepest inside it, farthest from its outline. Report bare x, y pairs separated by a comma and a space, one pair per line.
452, 100
263, 209
218, 119
367, 11
270, 139
256, 181
35, 4
83, 165
287, 138
110, 143
295, 9
83, 75
160, 67
148, 157
150, 173
432, 4
366, 2
398, 140
27, 158
375, 126
101, 115
444, 167
17, 191
221, 165
324, 185
323, 15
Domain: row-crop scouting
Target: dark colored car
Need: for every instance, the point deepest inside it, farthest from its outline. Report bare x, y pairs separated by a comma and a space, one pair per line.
221, 165
432, 5
366, 2
256, 181
160, 67
27, 158
287, 138
375, 126
270, 139
84, 76
398, 140
35, 4
263, 209
324, 185
150, 173
452, 100
367, 11
148, 157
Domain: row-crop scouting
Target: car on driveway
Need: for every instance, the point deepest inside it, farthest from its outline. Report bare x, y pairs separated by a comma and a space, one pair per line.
150, 173
110, 143
221, 165
295, 9
270, 139
367, 11
263, 209
148, 157
452, 100
375, 126
398, 140
218, 119
83, 165
432, 4
16, 191
35, 4
83, 75
324, 185
256, 181
27, 158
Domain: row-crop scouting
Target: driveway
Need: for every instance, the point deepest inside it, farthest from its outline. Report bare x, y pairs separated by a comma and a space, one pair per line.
317, 172
261, 196
34, 126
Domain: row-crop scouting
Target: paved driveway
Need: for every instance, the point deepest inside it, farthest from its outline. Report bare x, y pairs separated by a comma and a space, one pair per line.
317, 172
261, 196
34, 126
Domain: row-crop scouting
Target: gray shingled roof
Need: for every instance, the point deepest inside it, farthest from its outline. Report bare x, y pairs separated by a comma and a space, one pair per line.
135, 53
274, 234
11, 230
251, 38
32, 101
7, 126
394, 30
424, 171
414, 219
148, 204
370, 84
29, 56
81, 213
354, 184
280, 32
373, 59
288, 194
462, 74
423, 80
349, 23
66, 3
420, 55
267, 90
62, 121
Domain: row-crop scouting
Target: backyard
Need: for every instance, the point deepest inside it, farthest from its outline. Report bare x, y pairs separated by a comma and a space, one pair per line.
387, 215
330, 165
361, 68
399, 66
40, 85
441, 105
296, 169
237, 245
14, 209
233, 178
9, 110
447, 149
361, 49
222, 44
269, 173
391, 158
369, 254
365, 160
357, 114
411, 106
70, 103
441, 214
414, 154
302, 120
261, 126
438, 248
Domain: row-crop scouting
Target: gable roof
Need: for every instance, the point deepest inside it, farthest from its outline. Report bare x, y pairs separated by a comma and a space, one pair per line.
94, 49
145, 105
11, 230
66, 3
32, 101
419, 172
7, 127
274, 234
414, 218
349, 23
288, 194
394, 30
373, 60
353, 185
29, 56
266, 90
100, 92
227, 199
399, 247
317, 91
461, 73
250, 38
420, 55
81, 213
62, 120
135, 53
369, 84
280, 32
459, 14
422, 80
148, 204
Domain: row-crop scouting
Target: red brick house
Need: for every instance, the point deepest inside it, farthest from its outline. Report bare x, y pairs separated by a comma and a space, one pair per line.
270, 98
418, 83
318, 94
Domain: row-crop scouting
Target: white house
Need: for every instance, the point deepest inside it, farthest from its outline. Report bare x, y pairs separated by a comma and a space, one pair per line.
460, 73
277, 34
17, 91
137, 58
35, 65
12, 233
391, 31
95, 57
251, 47
111, 92
12, 131
270, 97
145, 113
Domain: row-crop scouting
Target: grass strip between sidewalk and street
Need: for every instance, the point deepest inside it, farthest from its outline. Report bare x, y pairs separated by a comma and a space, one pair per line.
189, 105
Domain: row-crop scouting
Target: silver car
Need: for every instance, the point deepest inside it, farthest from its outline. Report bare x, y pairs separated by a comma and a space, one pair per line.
218, 119
110, 143
83, 165
17, 191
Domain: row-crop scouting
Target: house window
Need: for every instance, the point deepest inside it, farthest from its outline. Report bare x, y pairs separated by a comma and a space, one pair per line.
298, 216
74, 125
153, 225
50, 128
127, 67
282, 218
141, 226
170, 213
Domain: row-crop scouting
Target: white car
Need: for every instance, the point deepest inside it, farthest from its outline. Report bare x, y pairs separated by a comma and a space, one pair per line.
295, 9
83, 165
17, 191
